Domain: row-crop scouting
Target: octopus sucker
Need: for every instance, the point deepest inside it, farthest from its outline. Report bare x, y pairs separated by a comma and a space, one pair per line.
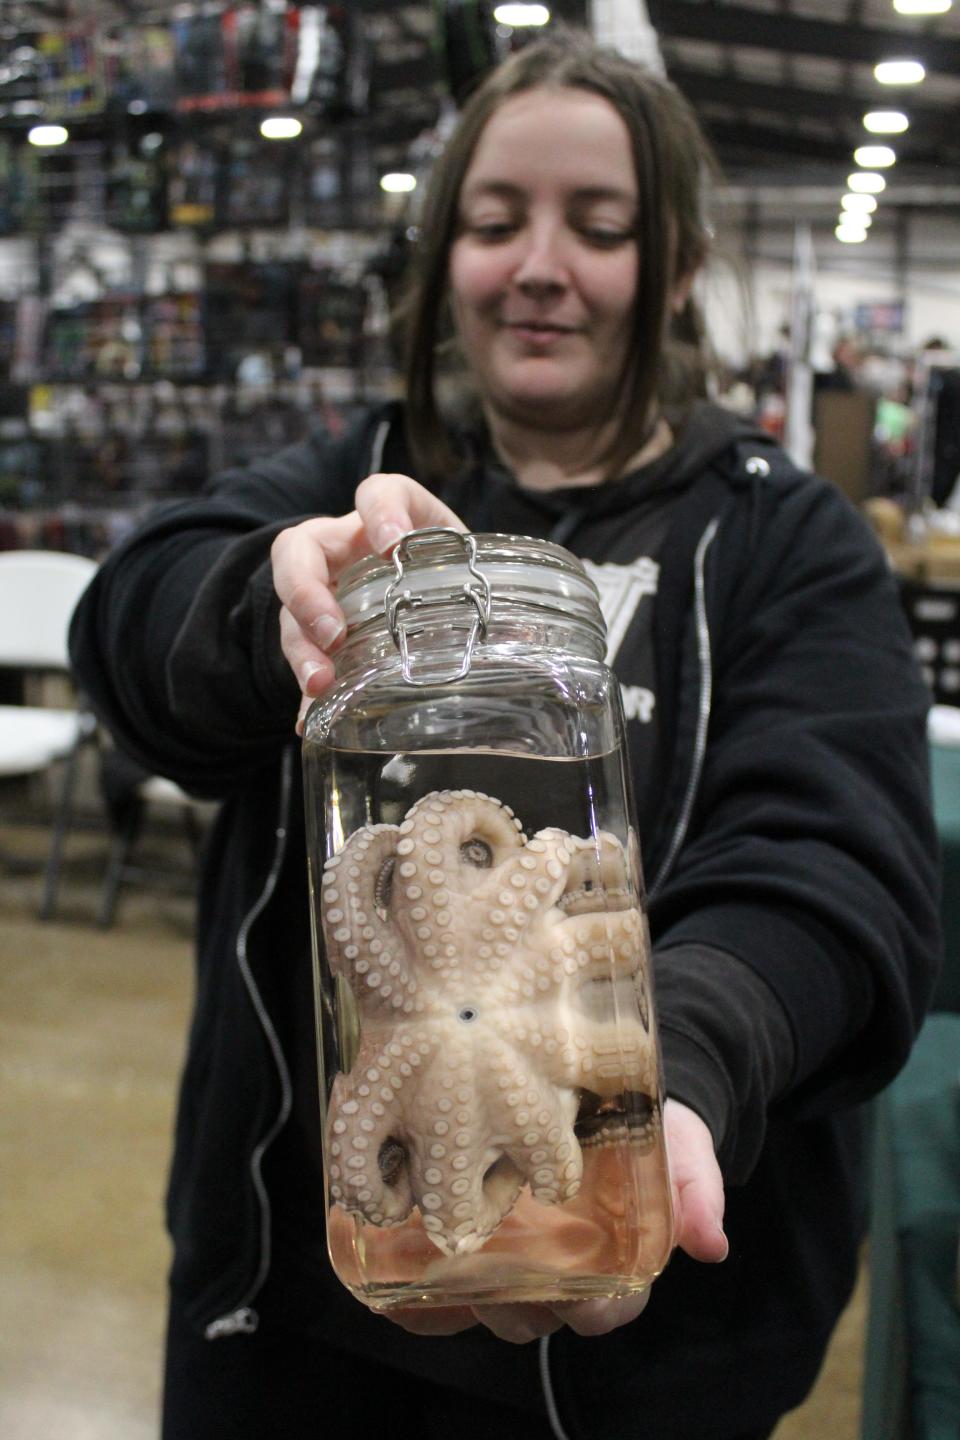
501, 1001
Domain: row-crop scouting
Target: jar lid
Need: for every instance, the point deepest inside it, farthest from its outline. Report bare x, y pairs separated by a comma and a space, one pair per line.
438, 564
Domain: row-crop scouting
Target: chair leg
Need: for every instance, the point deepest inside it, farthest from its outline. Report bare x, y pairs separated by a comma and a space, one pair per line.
193, 832
120, 848
62, 816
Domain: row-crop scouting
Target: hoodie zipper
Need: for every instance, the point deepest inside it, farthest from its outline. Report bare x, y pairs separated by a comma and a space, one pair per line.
243, 1319
703, 713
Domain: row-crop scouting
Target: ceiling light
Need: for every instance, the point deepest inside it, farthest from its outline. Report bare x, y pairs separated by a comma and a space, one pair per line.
280, 127
864, 204
899, 72
874, 157
922, 7
866, 182
518, 15
851, 234
398, 183
48, 135
854, 222
885, 122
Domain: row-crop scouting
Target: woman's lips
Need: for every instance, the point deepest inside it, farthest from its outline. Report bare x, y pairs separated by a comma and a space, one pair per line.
530, 332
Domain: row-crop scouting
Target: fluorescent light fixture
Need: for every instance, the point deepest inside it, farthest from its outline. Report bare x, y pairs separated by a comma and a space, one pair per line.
899, 72
519, 15
885, 122
851, 234
922, 7
874, 157
860, 204
866, 182
280, 127
854, 222
398, 183
48, 135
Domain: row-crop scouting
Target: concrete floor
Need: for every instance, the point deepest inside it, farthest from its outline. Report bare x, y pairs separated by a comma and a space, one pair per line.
92, 1027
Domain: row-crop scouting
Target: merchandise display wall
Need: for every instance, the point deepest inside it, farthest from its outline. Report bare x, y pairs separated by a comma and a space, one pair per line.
177, 291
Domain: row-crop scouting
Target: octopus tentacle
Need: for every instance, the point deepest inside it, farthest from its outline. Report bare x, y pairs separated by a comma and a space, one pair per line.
369, 1136
544, 1147
361, 937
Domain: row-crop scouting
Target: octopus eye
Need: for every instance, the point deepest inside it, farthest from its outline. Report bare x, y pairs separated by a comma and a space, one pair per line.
391, 1158
383, 888
476, 852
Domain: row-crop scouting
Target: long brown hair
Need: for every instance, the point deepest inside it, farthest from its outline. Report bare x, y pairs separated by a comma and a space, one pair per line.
672, 160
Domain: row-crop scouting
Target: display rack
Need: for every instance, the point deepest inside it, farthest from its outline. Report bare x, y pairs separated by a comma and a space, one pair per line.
177, 293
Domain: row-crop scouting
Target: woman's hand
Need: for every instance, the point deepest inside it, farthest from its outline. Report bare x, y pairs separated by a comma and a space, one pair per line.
309, 558
698, 1199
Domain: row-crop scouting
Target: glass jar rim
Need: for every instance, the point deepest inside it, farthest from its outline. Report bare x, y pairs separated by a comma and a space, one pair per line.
519, 569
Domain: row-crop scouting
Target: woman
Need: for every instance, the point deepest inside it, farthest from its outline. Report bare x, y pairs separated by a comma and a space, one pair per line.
777, 742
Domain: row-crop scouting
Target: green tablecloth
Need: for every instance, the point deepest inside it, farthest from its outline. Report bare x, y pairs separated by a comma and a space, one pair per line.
912, 1382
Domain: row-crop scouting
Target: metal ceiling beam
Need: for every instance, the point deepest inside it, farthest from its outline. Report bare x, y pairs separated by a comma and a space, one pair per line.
739, 143
799, 34
917, 197
705, 85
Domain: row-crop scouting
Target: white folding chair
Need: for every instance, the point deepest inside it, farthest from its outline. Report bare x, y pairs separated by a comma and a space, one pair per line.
38, 592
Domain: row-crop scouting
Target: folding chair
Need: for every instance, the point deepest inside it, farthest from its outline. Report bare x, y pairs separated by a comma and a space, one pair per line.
38, 592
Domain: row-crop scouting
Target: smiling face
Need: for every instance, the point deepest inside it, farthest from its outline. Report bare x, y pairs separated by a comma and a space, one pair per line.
544, 267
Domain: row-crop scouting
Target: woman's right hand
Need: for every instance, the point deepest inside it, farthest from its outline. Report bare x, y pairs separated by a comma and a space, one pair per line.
309, 558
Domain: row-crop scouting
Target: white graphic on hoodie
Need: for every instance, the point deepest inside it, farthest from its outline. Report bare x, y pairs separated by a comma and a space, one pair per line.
621, 588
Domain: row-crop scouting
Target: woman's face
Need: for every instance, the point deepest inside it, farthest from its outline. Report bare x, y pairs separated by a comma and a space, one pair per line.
544, 267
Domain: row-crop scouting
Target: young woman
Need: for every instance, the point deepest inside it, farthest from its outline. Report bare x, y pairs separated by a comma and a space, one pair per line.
776, 727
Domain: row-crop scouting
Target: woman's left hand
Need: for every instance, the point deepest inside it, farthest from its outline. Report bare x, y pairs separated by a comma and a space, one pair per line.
698, 1200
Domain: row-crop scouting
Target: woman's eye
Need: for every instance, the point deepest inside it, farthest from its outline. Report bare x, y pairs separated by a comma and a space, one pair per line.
604, 237
492, 229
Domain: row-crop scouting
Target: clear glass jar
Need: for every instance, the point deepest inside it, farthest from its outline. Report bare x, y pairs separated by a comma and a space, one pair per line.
489, 1067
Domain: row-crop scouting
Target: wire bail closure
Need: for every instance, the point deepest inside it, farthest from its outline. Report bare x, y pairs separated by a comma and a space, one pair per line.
438, 542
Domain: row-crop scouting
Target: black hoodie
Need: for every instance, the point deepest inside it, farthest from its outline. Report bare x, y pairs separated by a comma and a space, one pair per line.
792, 874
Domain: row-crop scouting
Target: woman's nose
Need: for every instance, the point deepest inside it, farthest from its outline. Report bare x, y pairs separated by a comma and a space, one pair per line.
542, 265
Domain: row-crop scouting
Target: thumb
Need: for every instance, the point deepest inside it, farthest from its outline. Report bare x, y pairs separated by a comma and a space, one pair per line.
392, 505
698, 1198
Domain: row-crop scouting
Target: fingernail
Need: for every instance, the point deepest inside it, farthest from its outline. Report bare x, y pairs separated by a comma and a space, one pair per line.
386, 536
327, 629
726, 1244
305, 704
307, 671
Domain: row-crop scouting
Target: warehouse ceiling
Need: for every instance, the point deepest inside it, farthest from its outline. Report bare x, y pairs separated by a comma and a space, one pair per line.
782, 86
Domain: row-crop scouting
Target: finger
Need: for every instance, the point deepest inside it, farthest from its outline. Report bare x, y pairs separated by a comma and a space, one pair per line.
392, 505
306, 560
312, 666
518, 1324
697, 1185
599, 1317
444, 1320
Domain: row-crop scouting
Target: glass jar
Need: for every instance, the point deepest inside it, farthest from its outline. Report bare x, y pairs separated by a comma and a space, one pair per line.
489, 1067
